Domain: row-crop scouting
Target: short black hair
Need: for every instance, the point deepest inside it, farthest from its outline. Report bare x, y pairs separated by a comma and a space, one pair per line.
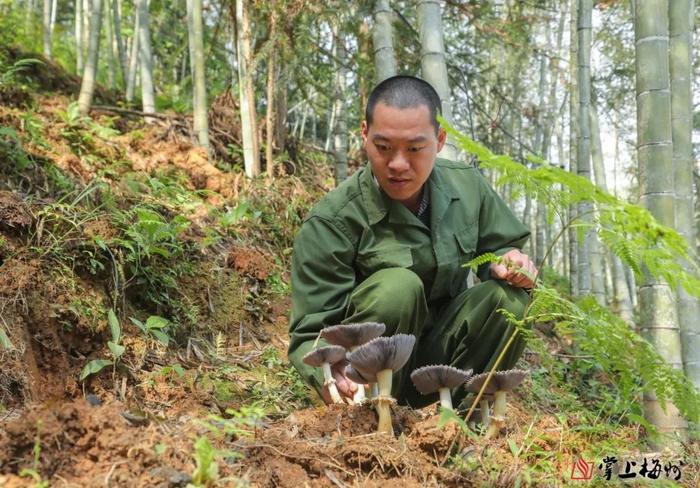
405, 92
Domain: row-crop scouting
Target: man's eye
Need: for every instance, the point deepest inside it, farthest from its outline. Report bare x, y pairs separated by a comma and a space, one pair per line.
415, 149
382, 147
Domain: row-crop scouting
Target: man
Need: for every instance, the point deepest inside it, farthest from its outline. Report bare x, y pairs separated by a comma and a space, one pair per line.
388, 245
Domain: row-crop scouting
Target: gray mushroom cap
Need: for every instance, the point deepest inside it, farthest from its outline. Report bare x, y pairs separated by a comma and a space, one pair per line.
500, 381
430, 379
358, 378
327, 354
382, 353
352, 335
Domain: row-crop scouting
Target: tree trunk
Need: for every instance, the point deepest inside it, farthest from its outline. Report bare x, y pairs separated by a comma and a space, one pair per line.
199, 92
117, 16
573, 145
87, 87
147, 90
433, 66
52, 24
583, 153
29, 19
111, 73
133, 61
251, 156
382, 36
190, 37
340, 145
658, 314
280, 132
619, 287
47, 28
270, 111
79, 36
87, 16
680, 67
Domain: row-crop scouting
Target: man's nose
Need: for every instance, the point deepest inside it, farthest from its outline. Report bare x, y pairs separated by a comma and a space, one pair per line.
399, 162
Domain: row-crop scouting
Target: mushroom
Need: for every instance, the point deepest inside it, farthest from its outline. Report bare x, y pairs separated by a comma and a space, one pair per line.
430, 379
351, 336
379, 358
325, 357
500, 383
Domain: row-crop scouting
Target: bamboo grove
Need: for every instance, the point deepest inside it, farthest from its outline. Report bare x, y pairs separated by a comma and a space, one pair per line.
592, 105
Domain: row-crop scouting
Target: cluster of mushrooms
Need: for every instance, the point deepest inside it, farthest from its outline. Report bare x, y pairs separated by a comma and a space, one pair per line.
369, 358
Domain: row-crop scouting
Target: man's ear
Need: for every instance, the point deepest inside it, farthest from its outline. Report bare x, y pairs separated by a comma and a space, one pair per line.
442, 137
364, 130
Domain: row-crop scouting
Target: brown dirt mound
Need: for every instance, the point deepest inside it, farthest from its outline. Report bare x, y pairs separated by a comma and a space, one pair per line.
46, 316
331, 446
50, 76
14, 213
93, 446
250, 262
339, 446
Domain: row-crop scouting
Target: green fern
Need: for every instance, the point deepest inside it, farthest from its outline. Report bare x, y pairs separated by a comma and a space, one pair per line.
632, 234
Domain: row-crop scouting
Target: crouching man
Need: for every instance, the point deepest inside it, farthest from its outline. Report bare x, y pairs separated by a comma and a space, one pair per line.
388, 244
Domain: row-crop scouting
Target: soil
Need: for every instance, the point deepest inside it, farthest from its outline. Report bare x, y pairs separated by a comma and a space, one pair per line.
85, 445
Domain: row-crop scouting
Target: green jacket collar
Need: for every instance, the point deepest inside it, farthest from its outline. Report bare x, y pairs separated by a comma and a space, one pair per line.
377, 203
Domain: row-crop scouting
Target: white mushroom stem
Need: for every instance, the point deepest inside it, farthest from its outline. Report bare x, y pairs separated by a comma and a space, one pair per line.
445, 398
485, 417
359, 396
498, 419
384, 401
329, 382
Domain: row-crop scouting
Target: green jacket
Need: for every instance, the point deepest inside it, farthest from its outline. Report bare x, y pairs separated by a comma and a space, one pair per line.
356, 229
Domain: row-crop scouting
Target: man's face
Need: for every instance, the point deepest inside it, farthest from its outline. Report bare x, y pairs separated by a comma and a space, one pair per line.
401, 145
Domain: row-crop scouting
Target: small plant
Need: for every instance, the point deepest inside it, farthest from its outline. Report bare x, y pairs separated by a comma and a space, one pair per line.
207, 469
11, 149
8, 74
80, 130
239, 423
115, 348
235, 214
33, 472
155, 327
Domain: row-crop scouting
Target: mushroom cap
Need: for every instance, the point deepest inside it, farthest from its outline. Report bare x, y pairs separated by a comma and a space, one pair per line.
327, 354
430, 379
382, 353
354, 375
500, 381
352, 335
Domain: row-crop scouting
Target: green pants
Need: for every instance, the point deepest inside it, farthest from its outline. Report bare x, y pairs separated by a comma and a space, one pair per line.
466, 332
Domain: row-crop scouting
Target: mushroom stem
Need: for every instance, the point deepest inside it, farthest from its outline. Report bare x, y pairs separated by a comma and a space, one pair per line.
359, 396
384, 401
374, 390
329, 381
445, 398
498, 419
485, 418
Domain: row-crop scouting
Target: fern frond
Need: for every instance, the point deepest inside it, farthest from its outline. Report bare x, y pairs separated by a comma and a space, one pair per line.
488, 257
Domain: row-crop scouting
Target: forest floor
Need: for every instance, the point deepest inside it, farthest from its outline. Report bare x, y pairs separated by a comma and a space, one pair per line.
113, 214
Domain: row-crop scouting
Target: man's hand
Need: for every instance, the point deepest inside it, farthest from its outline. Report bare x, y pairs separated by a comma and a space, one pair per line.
346, 388
515, 268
